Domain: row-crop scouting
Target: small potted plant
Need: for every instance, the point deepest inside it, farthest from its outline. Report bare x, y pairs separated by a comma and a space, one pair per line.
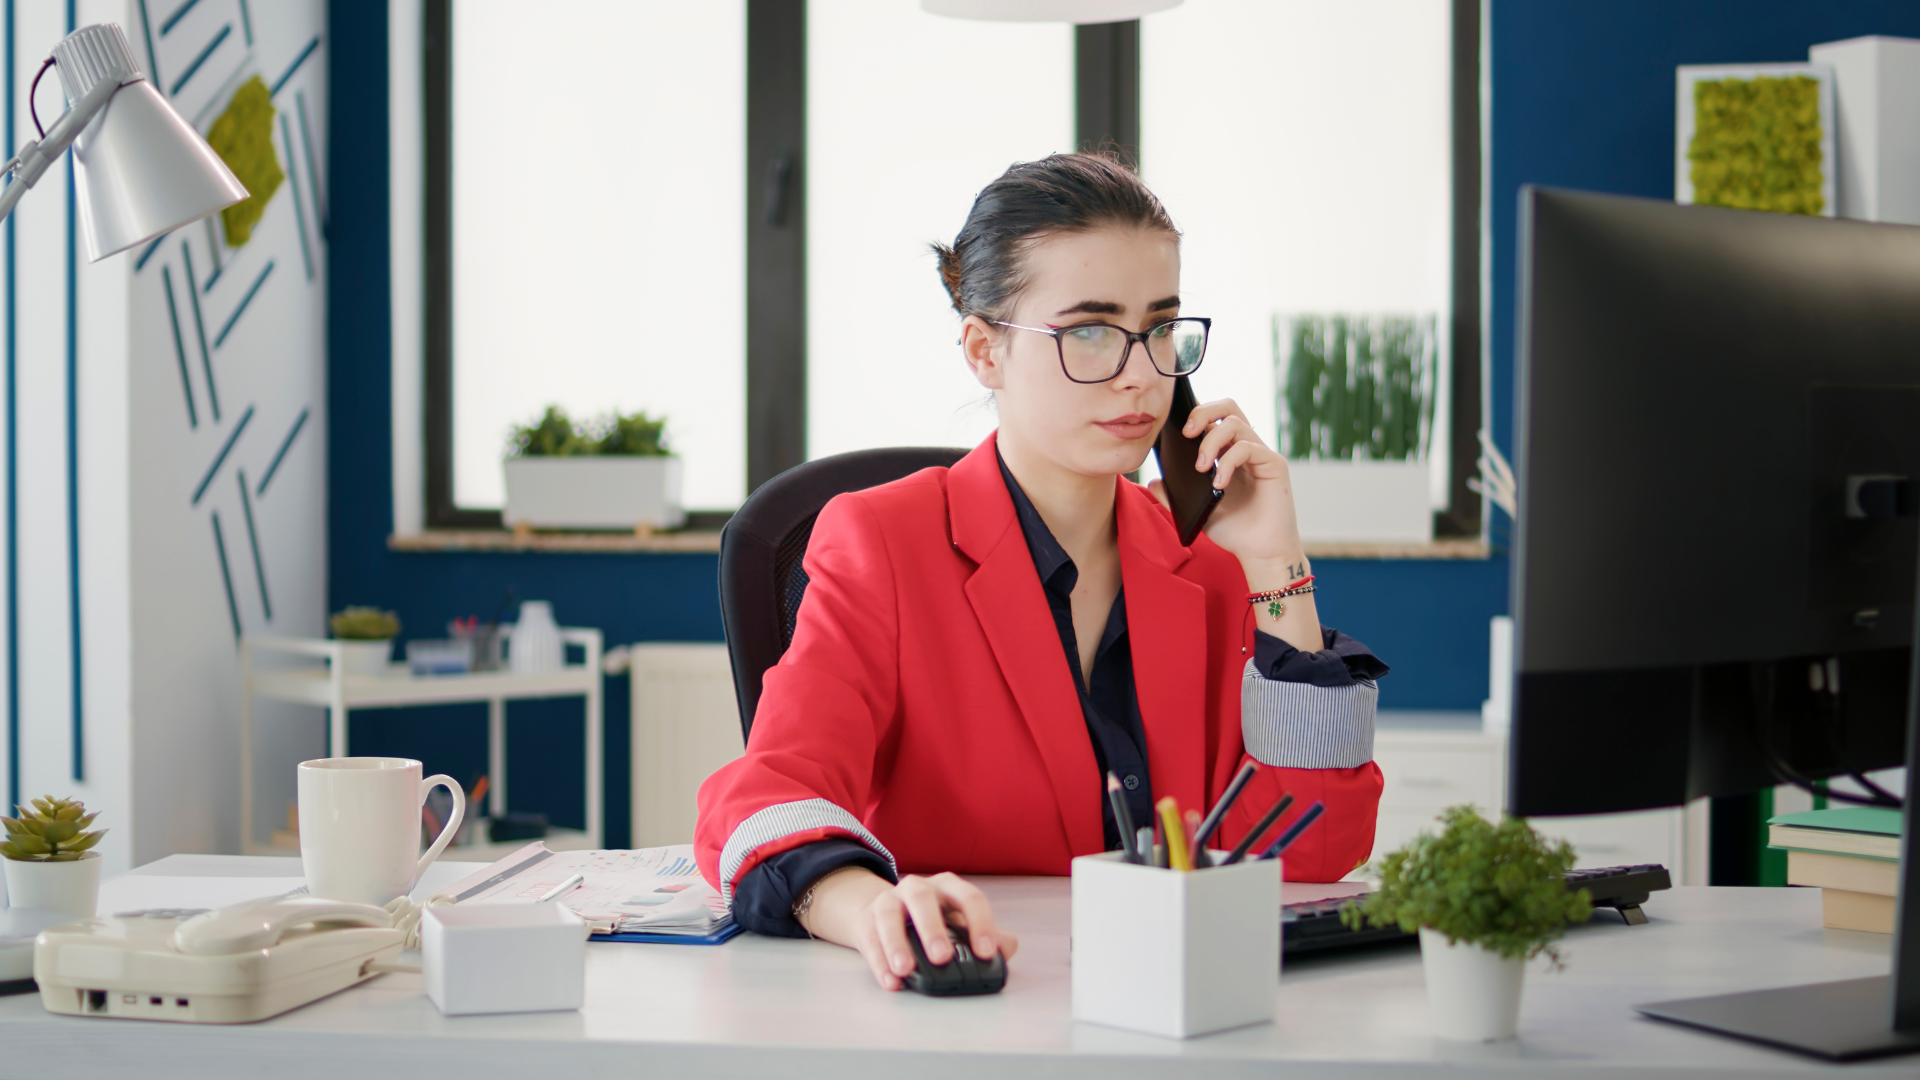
366, 639
1485, 899
50, 859
613, 472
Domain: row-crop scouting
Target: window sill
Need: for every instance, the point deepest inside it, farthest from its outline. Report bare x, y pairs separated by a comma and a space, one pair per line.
705, 541
708, 541
1437, 549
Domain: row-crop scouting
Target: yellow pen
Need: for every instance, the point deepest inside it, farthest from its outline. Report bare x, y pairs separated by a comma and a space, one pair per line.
1177, 857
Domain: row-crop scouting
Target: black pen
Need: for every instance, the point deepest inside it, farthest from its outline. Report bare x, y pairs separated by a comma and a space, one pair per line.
1219, 811
1240, 849
1122, 817
1285, 840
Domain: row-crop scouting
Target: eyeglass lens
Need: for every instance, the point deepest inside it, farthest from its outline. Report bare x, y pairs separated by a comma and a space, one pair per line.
1096, 353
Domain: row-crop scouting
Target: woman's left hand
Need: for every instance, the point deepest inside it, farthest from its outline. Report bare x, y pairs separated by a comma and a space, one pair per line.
1255, 519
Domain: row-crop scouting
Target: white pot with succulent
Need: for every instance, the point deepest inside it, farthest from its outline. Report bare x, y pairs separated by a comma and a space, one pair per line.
366, 638
1356, 405
610, 473
49, 856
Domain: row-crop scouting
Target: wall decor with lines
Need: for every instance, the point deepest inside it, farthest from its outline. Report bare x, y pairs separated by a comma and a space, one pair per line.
166, 416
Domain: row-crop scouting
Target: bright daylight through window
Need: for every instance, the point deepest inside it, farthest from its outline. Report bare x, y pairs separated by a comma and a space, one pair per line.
599, 248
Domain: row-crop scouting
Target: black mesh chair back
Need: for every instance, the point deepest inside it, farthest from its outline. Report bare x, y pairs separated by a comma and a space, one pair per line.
761, 579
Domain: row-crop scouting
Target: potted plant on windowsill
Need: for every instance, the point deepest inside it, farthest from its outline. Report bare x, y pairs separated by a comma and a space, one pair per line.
1485, 899
614, 472
366, 638
51, 864
1356, 405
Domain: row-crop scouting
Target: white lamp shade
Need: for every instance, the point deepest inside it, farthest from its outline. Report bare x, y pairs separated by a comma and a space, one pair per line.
140, 168
1072, 11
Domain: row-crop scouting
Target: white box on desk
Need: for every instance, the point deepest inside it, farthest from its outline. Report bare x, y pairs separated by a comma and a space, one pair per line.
1175, 954
504, 958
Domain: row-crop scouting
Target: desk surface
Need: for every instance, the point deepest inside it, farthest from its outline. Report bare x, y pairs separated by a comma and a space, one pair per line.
783, 1010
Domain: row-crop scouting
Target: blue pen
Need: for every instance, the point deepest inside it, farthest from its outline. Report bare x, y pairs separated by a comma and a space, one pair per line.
1286, 839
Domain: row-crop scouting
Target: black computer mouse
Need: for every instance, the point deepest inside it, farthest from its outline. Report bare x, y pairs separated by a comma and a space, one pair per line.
964, 974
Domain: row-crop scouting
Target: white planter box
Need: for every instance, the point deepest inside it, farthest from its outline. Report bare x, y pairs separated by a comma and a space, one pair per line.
1377, 502
614, 492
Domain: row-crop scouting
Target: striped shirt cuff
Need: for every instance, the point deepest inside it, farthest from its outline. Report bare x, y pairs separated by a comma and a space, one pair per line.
1301, 726
785, 819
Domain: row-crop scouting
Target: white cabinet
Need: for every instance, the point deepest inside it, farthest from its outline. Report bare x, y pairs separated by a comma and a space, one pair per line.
1432, 763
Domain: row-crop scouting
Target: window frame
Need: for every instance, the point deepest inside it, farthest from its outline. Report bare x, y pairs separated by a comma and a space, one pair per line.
1106, 113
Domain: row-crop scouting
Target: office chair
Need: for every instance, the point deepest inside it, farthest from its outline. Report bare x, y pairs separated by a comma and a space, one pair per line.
761, 579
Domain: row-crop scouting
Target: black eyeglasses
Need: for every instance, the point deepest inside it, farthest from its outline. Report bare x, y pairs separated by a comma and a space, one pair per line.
1097, 352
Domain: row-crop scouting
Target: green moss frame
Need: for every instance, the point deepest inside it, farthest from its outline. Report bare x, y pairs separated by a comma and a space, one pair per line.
1756, 144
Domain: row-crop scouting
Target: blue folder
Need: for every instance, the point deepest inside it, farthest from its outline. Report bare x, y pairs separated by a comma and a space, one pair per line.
718, 937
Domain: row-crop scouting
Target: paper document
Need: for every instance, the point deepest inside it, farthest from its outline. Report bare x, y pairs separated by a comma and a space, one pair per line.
643, 891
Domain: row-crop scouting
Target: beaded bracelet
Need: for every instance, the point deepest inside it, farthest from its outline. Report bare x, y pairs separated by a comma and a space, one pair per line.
1275, 599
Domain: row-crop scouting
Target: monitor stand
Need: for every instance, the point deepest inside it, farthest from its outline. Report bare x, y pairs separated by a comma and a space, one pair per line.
1840, 1021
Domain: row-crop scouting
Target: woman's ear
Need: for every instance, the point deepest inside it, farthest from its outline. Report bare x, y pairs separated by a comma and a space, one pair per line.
979, 344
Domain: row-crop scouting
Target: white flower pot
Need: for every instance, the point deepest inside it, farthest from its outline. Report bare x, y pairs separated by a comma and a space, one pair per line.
611, 492
72, 887
1473, 995
1378, 502
534, 645
365, 657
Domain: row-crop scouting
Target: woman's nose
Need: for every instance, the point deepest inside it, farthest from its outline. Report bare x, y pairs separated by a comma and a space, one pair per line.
1138, 370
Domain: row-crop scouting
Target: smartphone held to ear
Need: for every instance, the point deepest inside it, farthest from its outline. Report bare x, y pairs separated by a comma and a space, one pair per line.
1190, 492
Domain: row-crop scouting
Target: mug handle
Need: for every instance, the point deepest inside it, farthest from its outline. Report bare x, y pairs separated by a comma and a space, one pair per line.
446, 831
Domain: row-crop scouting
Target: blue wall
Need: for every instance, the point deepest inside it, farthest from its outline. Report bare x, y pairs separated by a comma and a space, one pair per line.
1583, 97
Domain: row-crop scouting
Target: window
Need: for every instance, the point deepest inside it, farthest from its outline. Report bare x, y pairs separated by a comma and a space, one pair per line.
1304, 149
594, 172
908, 116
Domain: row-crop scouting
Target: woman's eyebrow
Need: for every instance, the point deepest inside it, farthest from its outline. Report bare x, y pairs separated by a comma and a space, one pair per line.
1095, 307
1162, 305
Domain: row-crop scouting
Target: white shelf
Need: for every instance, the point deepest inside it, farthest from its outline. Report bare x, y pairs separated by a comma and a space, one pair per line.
314, 686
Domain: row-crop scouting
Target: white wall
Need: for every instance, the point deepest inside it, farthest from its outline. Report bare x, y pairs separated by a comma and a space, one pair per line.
159, 691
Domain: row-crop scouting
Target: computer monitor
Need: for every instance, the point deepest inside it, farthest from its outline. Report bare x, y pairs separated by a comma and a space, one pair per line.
1718, 438
1718, 434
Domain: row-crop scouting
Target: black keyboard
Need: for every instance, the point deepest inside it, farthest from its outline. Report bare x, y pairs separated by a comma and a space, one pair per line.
1314, 926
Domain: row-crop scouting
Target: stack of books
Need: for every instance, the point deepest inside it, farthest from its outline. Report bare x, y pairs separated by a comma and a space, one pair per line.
1851, 854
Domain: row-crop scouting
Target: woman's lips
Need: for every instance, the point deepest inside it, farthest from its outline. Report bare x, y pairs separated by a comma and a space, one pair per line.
1131, 426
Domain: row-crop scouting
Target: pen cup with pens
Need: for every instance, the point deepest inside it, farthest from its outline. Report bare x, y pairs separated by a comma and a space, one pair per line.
1177, 939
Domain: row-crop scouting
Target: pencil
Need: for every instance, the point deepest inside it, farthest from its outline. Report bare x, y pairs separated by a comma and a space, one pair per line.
1285, 840
1240, 849
1122, 817
1219, 811
1176, 834
1194, 850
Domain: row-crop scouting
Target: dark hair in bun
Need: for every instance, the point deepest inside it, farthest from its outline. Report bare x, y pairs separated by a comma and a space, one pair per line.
1033, 200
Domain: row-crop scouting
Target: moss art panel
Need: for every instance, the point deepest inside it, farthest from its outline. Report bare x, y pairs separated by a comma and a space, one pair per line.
243, 137
1756, 144
1356, 387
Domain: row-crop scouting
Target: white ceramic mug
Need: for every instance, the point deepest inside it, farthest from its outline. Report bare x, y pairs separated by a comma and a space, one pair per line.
360, 826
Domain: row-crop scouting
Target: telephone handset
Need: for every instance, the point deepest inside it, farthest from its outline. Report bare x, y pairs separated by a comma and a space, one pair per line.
1190, 493
259, 924
233, 966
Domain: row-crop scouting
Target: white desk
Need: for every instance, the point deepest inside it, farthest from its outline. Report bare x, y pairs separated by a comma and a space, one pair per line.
775, 1009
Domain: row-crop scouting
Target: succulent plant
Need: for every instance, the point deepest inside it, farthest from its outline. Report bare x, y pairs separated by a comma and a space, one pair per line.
364, 624
52, 830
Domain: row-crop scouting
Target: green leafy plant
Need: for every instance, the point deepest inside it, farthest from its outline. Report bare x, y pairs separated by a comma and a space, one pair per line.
51, 830
1355, 386
364, 624
1502, 887
1756, 144
614, 434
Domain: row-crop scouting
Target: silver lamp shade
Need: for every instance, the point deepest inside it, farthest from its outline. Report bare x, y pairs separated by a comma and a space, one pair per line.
141, 170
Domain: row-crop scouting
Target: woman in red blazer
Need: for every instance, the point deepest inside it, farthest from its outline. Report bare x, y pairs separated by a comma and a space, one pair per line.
981, 646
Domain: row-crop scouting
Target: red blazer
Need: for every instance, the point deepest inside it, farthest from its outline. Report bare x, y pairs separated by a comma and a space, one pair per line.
925, 708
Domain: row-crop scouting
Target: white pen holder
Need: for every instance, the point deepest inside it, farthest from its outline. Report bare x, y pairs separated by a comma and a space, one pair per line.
503, 958
1175, 954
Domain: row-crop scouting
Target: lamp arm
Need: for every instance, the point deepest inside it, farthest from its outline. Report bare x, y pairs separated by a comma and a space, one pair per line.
35, 158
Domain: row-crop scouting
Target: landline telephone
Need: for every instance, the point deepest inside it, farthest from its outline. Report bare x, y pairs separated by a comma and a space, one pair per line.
233, 966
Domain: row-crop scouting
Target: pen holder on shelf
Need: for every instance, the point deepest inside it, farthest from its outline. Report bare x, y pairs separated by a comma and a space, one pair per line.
1171, 953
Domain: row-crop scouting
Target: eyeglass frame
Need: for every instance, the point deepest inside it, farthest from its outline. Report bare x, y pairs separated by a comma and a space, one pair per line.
1126, 354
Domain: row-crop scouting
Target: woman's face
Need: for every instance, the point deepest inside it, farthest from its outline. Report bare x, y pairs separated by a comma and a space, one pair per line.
1122, 275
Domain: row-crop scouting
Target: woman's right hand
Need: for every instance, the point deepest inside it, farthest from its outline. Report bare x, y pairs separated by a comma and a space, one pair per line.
857, 908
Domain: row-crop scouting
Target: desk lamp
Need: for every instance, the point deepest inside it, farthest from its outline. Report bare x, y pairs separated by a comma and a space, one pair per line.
140, 168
